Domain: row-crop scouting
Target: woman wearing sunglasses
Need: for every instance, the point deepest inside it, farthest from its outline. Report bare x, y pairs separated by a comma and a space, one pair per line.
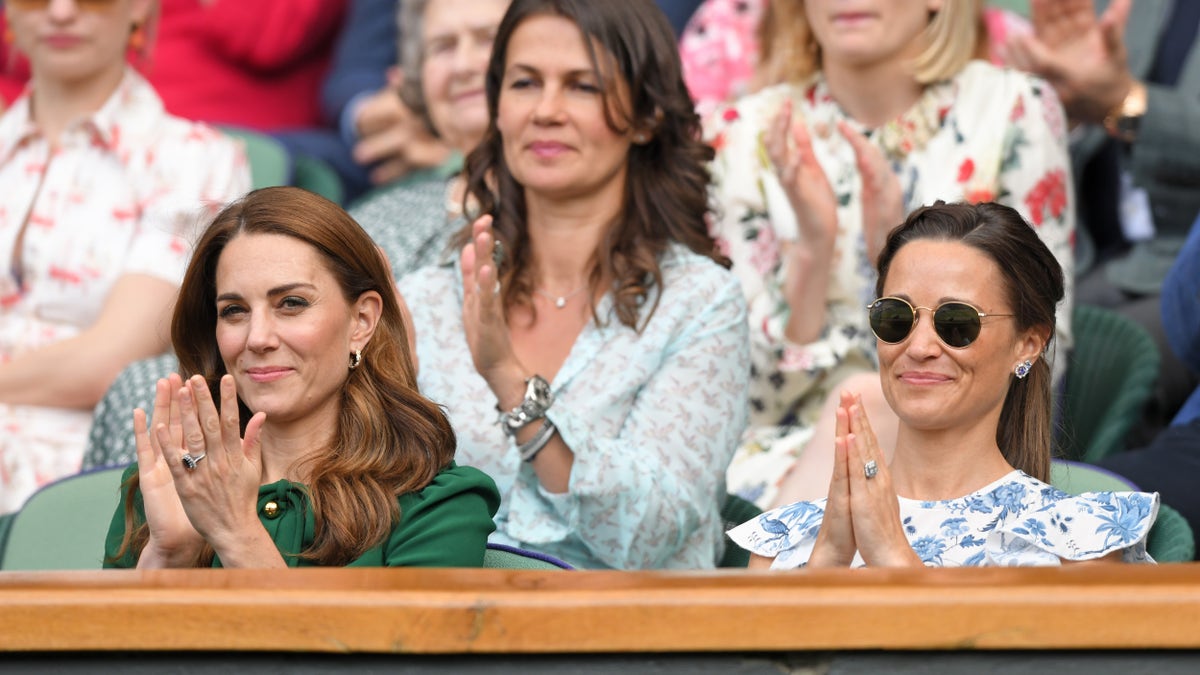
965, 312
101, 193
882, 108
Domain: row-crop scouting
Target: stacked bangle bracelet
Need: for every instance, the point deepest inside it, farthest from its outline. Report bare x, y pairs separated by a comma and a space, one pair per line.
529, 449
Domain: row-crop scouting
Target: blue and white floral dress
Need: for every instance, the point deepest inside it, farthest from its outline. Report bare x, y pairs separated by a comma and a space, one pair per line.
1016, 520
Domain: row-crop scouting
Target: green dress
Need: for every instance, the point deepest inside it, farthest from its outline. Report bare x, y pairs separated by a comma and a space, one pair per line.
446, 524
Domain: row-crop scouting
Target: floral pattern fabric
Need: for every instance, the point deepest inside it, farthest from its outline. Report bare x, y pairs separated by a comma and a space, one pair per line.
989, 134
652, 417
124, 193
1016, 520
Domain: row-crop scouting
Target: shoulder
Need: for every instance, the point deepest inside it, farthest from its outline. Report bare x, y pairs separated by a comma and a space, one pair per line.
697, 281
435, 285
743, 119
982, 85
1057, 526
452, 484
419, 198
408, 220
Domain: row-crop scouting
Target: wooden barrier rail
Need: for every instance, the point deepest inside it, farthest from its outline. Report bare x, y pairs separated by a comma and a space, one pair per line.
468, 611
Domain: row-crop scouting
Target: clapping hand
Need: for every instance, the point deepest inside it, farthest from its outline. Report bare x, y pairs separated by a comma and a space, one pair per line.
483, 310
1083, 56
199, 477
882, 197
807, 260
862, 512
393, 140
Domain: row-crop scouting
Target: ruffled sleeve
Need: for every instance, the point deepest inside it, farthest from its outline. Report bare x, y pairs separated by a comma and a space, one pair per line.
1084, 527
786, 534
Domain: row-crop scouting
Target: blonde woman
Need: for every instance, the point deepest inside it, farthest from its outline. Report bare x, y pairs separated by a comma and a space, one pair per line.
102, 192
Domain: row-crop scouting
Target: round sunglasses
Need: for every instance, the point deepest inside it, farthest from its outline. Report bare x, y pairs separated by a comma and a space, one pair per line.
957, 324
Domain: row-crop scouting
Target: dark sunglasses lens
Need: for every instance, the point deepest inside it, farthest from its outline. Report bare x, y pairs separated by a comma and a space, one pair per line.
957, 324
891, 320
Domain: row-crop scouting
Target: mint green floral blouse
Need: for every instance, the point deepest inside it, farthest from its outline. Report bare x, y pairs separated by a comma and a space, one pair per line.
652, 417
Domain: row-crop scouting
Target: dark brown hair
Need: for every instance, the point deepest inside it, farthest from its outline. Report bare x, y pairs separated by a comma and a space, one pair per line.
389, 440
1034, 287
666, 186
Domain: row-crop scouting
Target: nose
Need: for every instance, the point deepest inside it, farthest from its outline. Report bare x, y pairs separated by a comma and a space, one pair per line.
923, 342
262, 336
62, 9
549, 108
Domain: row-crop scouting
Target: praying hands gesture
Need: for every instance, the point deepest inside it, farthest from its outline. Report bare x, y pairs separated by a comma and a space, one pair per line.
808, 260
862, 513
199, 478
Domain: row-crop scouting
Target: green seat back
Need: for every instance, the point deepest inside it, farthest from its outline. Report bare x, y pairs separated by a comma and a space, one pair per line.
270, 163
508, 557
734, 512
63, 525
317, 176
1114, 365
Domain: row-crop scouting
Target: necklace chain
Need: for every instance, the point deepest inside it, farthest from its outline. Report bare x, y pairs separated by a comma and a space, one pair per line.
560, 301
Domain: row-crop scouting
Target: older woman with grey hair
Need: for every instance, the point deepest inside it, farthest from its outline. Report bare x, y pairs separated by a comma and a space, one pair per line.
445, 53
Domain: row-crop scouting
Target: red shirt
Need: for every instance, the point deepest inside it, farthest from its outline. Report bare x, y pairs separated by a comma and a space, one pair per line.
249, 63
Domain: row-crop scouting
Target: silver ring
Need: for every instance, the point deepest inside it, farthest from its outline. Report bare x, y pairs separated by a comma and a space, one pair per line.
870, 469
190, 461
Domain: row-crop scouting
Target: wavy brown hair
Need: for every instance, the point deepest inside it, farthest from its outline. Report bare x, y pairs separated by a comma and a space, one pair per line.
666, 186
390, 440
1034, 287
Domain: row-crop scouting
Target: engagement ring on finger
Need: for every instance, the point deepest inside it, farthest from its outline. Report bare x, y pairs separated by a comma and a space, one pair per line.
190, 461
870, 469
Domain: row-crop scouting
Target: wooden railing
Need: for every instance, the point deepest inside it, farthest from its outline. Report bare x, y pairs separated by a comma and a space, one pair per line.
468, 611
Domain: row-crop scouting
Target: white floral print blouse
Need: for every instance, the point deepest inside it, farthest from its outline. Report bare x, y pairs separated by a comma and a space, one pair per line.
652, 418
989, 134
1015, 520
124, 192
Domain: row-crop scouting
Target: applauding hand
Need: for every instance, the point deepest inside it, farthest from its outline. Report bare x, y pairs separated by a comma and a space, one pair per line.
483, 317
214, 474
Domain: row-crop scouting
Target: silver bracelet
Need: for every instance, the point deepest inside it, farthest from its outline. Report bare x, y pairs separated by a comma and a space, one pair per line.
529, 449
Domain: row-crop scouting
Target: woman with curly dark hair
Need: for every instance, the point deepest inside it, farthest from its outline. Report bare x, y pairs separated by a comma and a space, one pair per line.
299, 436
589, 305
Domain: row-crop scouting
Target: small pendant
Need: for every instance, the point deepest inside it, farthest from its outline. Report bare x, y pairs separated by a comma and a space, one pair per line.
560, 302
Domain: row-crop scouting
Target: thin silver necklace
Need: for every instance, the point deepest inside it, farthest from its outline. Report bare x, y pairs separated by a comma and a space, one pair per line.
560, 301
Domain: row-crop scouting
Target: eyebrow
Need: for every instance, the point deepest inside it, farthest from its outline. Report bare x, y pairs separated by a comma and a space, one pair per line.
278, 290
570, 73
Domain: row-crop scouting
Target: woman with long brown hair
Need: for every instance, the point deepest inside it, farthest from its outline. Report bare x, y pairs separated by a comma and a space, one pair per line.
609, 333
298, 436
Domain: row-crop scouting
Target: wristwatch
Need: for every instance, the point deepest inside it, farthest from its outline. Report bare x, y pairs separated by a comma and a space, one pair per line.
537, 401
1123, 121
